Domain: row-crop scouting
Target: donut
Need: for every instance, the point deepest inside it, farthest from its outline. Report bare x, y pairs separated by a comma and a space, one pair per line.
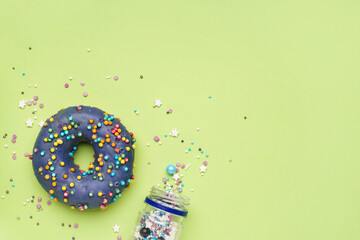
105, 178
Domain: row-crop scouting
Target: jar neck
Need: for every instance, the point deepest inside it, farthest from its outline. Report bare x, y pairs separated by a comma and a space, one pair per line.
167, 201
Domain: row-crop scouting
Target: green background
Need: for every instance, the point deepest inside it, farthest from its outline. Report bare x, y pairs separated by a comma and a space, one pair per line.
291, 67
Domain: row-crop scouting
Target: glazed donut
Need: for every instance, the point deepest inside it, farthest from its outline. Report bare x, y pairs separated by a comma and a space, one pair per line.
105, 179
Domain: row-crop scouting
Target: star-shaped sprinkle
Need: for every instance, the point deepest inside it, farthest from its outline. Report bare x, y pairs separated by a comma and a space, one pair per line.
176, 176
157, 103
116, 228
41, 123
203, 169
174, 133
22, 104
29, 123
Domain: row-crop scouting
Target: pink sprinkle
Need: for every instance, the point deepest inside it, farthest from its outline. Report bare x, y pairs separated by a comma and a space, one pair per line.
118, 238
170, 111
116, 77
30, 157
178, 164
34, 102
182, 165
82, 84
205, 163
14, 136
164, 179
41, 105
13, 140
39, 199
156, 138
78, 108
177, 170
38, 206
26, 154
76, 225
29, 103
36, 150
14, 157
36, 97
85, 94
66, 85
48, 202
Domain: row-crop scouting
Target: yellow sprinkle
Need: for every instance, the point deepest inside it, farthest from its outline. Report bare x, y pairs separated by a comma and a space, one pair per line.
63, 188
53, 157
51, 119
59, 141
97, 168
64, 128
49, 163
133, 146
56, 135
52, 150
134, 165
127, 148
100, 194
72, 184
45, 139
99, 174
122, 162
56, 144
78, 177
62, 164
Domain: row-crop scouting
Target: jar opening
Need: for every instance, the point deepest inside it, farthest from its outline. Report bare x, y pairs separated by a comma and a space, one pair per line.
167, 201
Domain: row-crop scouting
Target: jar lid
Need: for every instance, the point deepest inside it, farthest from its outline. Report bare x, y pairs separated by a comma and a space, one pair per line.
161, 206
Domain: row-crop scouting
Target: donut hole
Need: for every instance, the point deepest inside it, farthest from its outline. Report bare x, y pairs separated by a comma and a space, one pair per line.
84, 155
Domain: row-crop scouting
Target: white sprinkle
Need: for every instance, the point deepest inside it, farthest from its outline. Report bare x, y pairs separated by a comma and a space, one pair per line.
202, 174
14, 152
198, 157
70, 78
2, 197
24, 203
148, 144
186, 150
158, 185
197, 129
35, 117
192, 189
108, 77
181, 175
27, 200
35, 110
159, 143
187, 166
88, 49
35, 86
137, 113
29, 85
6, 145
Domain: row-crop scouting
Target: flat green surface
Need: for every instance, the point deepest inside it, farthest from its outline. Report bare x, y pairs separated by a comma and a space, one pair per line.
291, 67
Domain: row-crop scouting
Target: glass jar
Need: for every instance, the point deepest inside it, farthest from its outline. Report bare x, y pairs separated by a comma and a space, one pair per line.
162, 217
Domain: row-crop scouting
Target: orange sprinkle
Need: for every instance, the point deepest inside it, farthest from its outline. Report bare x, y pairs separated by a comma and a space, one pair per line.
65, 176
94, 136
91, 121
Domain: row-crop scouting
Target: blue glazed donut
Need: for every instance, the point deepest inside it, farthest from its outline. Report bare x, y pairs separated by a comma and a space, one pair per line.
105, 179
